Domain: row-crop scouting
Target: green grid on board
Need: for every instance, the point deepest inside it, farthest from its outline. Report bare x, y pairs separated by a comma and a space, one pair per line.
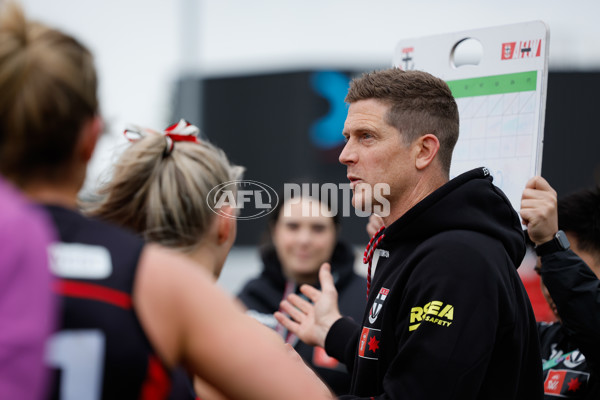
497, 84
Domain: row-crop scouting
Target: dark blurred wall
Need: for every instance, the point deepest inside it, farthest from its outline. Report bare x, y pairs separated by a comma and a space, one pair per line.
571, 152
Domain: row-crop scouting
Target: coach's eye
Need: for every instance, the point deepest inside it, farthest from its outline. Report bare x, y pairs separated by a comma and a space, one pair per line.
366, 136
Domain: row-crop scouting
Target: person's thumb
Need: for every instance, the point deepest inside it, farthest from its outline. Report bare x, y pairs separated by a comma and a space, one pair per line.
325, 277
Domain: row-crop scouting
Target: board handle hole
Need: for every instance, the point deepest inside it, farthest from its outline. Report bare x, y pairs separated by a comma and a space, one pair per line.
468, 51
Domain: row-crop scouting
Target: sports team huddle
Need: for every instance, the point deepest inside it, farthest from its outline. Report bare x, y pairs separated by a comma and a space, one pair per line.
115, 296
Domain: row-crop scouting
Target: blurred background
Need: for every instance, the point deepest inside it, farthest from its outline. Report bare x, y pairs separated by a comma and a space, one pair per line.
265, 80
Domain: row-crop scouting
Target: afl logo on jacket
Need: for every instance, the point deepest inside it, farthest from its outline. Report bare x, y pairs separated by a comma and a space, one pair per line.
378, 304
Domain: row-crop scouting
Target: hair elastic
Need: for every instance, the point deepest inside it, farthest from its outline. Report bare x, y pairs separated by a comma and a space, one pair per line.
182, 131
169, 146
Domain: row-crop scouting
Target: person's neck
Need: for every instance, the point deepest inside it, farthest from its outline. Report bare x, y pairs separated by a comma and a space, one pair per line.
60, 195
305, 279
208, 258
61, 192
424, 186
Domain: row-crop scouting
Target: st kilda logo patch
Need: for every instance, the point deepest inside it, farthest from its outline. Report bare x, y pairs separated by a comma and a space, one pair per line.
378, 304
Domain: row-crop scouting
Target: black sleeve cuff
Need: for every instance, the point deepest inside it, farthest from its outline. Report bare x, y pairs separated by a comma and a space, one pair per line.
341, 339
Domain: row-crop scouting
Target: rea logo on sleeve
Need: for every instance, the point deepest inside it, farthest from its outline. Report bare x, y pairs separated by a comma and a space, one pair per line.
435, 312
565, 383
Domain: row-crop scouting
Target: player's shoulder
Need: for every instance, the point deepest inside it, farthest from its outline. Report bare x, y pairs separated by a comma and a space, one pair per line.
73, 226
465, 243
453, 252
167, 266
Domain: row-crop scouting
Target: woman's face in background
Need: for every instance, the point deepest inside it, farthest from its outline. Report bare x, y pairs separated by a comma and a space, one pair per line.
304, 237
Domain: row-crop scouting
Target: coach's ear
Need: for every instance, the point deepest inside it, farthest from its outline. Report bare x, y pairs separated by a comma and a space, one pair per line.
426, 148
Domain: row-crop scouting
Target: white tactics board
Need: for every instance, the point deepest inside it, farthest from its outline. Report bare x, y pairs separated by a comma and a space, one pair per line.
501, 100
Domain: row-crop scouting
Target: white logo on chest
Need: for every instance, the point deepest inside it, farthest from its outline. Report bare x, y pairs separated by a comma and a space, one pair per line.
378, 304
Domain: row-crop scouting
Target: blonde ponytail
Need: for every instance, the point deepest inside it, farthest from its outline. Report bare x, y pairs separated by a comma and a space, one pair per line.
164, 197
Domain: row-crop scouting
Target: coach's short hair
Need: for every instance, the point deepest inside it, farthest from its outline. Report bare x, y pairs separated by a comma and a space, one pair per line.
419, 103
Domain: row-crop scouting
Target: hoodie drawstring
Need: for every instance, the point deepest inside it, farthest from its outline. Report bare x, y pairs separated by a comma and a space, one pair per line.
368, 256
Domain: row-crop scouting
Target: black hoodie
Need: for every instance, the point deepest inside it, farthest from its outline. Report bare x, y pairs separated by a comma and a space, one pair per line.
571, 349
263, 294
447, 316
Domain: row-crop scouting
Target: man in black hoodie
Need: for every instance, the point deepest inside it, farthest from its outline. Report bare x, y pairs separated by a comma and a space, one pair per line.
569, 264
447, 316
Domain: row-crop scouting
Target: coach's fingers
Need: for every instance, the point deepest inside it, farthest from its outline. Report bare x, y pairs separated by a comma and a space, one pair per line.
294, 313
325, 277
299, 303
287, 323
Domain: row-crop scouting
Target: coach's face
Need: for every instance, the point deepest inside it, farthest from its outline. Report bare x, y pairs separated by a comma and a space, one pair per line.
375, 153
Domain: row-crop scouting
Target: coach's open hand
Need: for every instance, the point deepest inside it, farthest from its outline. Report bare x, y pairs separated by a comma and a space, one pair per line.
311, 322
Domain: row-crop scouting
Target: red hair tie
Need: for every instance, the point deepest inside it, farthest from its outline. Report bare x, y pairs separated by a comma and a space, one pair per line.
182, 131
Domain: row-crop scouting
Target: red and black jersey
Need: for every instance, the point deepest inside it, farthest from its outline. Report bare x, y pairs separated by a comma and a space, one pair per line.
101, 350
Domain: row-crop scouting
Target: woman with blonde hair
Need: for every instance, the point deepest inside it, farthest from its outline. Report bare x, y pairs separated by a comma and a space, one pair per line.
131, 312
160, 189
